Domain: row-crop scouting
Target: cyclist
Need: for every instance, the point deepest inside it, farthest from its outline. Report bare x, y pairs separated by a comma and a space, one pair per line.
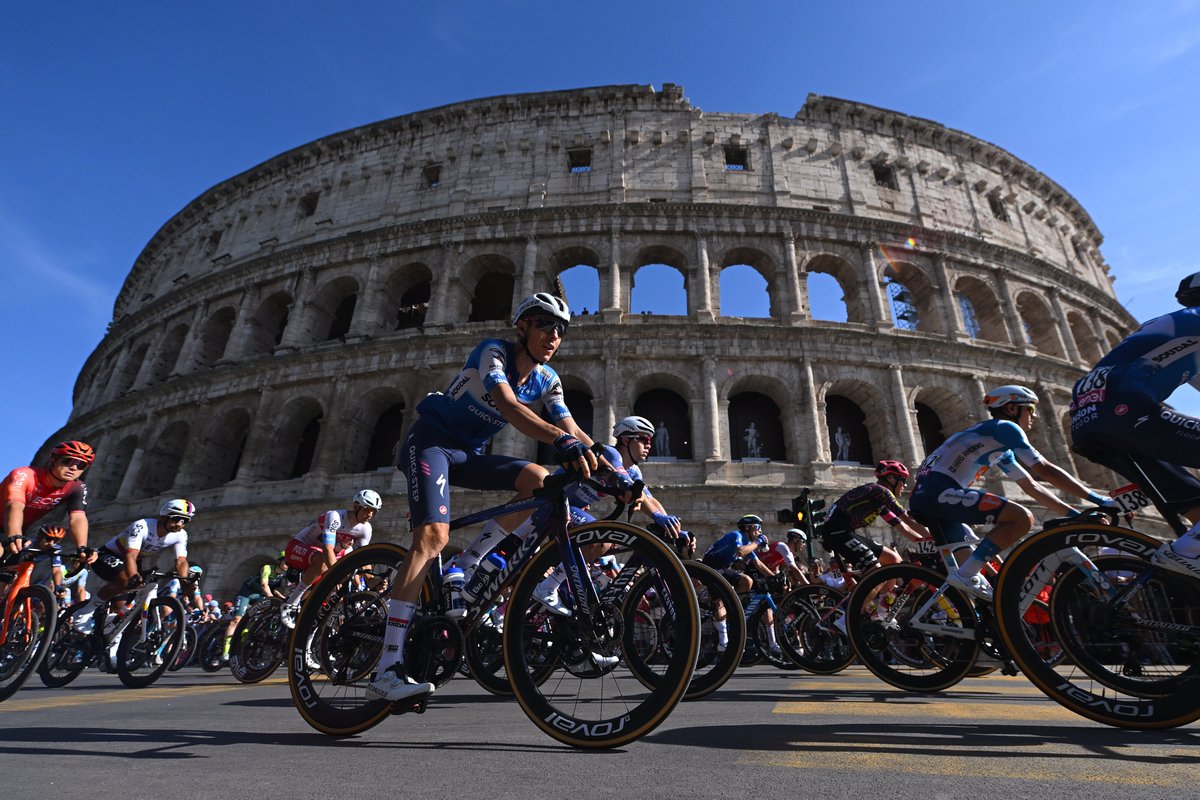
497, 386
861, 506
945, 502
732, 556
1120, 405
29, 493
262, 584
317, 547
780, 555
117, 562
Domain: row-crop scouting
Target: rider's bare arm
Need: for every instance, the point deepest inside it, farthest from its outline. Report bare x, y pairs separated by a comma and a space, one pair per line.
1034, 490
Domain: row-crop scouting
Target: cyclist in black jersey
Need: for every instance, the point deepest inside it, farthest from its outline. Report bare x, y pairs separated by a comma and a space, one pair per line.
861, 506
257, 587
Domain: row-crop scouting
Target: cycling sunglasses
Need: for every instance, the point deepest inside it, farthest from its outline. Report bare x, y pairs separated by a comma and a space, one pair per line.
72, 463
548, 324
183, 520
640, 439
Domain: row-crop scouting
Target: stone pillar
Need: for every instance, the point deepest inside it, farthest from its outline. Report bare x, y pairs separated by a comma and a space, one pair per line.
296, 333
1098, 331
242, 327
610, 290
953, 327
875, 299
125, 493
1016, 330
1064, 328
608, 412
796, 282
819, 433
1048, 420
981, 411
260, 444
528, 270
368, 315
187, 356
439, 312
700, 300
904, 415
712, 412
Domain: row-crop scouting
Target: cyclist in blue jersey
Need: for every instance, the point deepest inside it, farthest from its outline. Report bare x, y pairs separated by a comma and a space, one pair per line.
503, 382
734, 553
945, 503
1119, 406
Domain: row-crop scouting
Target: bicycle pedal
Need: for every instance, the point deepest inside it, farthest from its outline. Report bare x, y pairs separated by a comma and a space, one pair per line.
410, 707
1009, 668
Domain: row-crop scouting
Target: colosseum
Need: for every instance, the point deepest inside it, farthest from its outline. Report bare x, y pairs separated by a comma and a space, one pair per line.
271, 340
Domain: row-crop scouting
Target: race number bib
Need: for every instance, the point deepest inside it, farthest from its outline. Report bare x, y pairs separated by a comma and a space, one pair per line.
1130, 498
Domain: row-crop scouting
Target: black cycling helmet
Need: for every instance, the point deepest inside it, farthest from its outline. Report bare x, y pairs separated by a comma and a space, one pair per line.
1188, 293
749, 519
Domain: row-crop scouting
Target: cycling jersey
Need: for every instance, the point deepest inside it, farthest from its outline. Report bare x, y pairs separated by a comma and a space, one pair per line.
967, 455
725, 550
778, 554
143, 536
334, 528
253, 585
861, 506
31, 486
1155, 360
467, 413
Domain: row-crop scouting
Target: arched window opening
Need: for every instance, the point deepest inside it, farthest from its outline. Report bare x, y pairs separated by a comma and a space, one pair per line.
1040, 325
168, 355
826, 299
384, 450
904, 308
160, 463
414, 303
113, 467
226, 443
755, 428
1085, 338
582, 286
744, 292
343, 315
669, 414
493, 298
306, 447
849, 440
130, 369
982, 316
582, 411
929, 427
970, 320
658, 290
268, 324
214, 337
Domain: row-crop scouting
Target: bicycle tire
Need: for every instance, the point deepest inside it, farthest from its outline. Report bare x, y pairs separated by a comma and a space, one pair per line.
70, 653
186, 650
713, 666
761, 630
30, 628
210, 650
806, 631
897, 653
604, 708
149, 645
259, 642
1169, 696
484, 656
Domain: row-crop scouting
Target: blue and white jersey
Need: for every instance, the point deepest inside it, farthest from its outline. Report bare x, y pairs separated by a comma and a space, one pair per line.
968, 454
725, 549
1154, 360
466, 411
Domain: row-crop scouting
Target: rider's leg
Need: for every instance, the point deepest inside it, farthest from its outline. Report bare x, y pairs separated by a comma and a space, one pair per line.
1013, 522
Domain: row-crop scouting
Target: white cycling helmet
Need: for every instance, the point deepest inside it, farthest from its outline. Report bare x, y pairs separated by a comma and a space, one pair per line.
633, 425
796, 533
177, 508
1011, 393
369, 498
543, 303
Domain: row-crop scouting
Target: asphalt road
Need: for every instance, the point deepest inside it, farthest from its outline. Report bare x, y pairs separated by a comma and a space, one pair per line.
767, 734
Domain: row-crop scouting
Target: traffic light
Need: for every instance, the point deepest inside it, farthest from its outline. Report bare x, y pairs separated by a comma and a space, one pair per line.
804, 514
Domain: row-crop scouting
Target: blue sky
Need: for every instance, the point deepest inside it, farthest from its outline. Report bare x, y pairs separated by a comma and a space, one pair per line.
114, 116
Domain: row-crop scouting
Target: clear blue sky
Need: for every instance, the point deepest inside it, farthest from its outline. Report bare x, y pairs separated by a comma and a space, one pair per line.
113, 116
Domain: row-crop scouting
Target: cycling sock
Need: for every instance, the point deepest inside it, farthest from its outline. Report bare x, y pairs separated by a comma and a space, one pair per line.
488, 538
524, 529
399, 615
771, 643
551, 583
984, 552
228, 641
1189, 544
722, 632
297, 591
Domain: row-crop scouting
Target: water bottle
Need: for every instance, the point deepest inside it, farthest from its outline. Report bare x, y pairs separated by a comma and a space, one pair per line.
491, 564
452, 590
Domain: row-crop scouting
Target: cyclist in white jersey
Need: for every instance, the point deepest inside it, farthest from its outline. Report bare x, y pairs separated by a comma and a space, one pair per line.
118, 560
318, 546
945, 503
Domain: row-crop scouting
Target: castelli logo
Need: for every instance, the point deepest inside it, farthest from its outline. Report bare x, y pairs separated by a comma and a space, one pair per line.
1121, 410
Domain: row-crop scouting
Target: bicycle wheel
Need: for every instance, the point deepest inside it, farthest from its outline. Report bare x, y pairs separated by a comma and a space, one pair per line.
259, 642
762, 634
715, 665
28, 632
912, 647
70, 652
587, 702
149, 646
807, 631
338, 640
1130, 632
485, 652
186, 650
212, 647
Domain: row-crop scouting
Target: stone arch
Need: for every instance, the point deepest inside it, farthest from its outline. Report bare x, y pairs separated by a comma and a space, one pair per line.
849, 281
406, 295
756, 428
747, 265
160, 463
376, 428
1040, 326
168, 354
984, 305
909, 287
662, 268
224, 447
130, 369
1114, 337
944, 414
855, 408
1085, 337
664, 400
233, 578
577, 268
214, 336
582, 403
490, 280
268, 324
112, 467
332, 310
297, 436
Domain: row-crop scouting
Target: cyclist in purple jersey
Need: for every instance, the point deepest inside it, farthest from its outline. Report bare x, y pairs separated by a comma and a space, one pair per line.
502, 383
861, 506
1118, 409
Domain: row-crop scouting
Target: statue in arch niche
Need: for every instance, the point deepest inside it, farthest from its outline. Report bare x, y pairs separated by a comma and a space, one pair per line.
662, 440
753, 447
841, 441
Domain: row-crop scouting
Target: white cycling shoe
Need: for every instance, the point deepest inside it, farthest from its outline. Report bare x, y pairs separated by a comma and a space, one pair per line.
552, 602
974, 586
394, 685
288, 613
1166, 558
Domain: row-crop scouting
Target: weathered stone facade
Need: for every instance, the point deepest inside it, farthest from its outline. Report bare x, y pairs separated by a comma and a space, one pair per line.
277, 325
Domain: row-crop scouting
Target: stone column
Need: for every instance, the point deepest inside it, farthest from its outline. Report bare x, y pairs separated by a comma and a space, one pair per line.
607, 410
1048, 421
296, 333
949, 314
125, 493
610, 290
712, 424
242, 327
1016, 330
528, 270
875, 299
981, 411
703, 309
796, 282
1064, 328
187, 356
819, 433
904, 415
439, 312
260, 444
368, 316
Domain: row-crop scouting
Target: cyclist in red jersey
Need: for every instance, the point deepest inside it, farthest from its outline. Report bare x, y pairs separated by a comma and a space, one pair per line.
30, 493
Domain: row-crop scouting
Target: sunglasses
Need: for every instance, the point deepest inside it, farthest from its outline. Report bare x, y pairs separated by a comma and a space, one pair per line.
640, 439
178, 520
548, 324
72, 463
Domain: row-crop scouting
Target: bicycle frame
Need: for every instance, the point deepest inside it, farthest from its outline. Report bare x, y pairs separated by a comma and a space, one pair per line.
139, 610
20, 572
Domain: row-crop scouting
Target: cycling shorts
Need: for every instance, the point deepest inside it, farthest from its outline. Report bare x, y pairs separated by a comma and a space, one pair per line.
108, 565
302, 555
947, 509
432, 463
857, 552
242, 602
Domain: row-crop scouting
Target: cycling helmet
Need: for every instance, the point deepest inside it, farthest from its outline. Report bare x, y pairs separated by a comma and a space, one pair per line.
208, 598
796, 533
53, 533
887, 467
369, 498
749, 519
80, 450
177, 508
1189, 290
633, 425
282, 555
1009, 393
542, 303
195, 571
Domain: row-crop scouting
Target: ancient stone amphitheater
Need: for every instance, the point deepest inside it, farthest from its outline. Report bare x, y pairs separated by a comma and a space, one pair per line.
272, 339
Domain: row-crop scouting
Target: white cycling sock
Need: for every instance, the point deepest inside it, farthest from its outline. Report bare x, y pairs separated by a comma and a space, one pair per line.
552, 582
1189, 544
524, 529
774, 645
294, 597
487, 538
399, 614
722, 632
